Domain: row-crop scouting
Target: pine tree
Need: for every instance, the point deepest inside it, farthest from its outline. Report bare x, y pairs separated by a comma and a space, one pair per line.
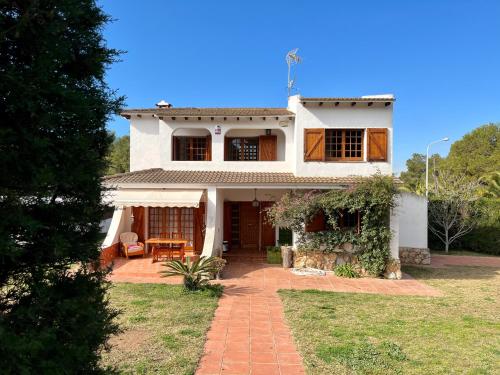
54, 103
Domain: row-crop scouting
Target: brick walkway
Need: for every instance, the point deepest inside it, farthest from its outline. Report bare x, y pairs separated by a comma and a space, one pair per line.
248, 334
456, 260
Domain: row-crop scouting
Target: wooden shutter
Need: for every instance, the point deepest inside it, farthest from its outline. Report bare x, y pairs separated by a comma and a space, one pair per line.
267, 229
268, 147
314, 144
227, 222
208, 155
175, 148
377, 144
138, 224
317, 223
199, 224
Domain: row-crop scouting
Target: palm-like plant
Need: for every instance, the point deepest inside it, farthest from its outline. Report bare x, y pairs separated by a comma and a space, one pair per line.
196, 274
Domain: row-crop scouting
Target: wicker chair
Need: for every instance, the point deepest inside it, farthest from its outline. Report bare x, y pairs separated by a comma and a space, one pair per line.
130, 245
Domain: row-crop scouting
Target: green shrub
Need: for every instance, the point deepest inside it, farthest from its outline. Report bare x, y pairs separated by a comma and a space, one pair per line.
196, 274
274, 255
346, 270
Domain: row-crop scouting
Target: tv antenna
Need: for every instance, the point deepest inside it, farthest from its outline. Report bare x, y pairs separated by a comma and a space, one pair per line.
292, 59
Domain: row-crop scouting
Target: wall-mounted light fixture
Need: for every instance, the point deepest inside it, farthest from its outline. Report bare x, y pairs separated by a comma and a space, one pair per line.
255, 202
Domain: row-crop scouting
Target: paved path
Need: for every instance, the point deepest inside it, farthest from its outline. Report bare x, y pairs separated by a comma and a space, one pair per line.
249, 335
465, 260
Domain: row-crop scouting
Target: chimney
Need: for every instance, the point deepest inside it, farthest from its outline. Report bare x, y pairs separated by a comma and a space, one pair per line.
163, 104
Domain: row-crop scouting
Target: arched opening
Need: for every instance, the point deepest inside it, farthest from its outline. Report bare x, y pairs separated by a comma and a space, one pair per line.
191, 144
254, 145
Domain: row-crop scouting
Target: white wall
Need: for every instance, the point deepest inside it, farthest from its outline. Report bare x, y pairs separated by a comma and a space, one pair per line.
151, 139
120, 222
144, 143
146, 152
343, 116
412, 213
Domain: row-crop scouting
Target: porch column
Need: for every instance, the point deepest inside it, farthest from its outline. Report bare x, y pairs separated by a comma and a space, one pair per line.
212, 231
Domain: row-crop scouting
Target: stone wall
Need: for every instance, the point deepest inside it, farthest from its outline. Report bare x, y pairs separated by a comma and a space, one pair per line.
411, 255
328, 261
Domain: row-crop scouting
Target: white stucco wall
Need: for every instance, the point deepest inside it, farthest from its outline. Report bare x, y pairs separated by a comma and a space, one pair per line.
412, 213
120, 223
343, 116
151, 139
151, 143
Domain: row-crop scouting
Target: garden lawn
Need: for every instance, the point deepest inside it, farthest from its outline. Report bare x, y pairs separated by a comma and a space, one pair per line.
164, 328
346, 333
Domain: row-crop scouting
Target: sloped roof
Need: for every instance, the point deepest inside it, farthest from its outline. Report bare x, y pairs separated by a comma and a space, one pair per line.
208, 112
161, 176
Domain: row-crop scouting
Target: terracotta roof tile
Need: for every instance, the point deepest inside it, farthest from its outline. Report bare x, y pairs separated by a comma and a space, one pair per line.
161, 176
204, 112
359, 99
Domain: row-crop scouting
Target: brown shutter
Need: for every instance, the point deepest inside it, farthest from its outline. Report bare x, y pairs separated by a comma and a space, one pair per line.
268, 147
138, 224
227, 141
199, 223
377, 144
267, 229
175, 147
208, 155
227, 222
317, 223
314, 144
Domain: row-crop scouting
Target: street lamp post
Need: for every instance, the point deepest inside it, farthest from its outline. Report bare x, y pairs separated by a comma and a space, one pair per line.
445, 139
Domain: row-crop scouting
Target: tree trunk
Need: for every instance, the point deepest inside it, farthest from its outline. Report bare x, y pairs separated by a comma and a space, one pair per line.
447, 243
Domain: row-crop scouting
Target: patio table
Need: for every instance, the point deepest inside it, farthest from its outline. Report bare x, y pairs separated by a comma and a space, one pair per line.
166, 251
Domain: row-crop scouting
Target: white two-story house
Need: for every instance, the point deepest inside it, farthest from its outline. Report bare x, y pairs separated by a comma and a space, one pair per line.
208, 173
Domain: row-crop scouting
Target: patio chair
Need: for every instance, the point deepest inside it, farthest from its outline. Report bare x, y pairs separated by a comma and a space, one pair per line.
177, 249
130, 245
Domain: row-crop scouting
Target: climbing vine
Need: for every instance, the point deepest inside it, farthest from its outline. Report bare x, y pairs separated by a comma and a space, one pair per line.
372, 197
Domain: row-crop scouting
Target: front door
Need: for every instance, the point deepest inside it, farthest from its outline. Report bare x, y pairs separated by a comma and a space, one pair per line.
249, 225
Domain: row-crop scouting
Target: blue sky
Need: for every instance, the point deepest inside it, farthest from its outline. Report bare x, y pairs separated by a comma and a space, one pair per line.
440, 58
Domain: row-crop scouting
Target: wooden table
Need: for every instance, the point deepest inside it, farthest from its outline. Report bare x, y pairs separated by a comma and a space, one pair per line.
157, 253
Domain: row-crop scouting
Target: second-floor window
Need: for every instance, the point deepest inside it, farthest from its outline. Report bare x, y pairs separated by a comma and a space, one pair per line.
344, 145
245, 148
191, 148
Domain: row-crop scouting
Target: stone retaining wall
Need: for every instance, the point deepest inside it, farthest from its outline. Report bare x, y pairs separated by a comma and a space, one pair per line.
328, 261
411, 255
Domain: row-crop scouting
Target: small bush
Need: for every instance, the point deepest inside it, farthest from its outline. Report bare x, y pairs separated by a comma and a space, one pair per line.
274, 255
346, 270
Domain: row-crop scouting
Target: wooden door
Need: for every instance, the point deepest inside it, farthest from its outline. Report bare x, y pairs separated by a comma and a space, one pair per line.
268, 148
249, 221
268, 230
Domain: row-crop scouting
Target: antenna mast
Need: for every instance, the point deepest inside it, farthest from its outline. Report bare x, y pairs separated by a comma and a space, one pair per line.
291, 59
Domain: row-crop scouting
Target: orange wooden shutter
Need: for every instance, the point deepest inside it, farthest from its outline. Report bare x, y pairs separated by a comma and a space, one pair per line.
314, 144
377, 144
208, 155
138, 224
227, 222
317, 223
267, 147
199, 223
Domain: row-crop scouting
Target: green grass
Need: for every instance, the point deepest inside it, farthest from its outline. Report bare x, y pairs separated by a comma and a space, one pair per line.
347, 333
163, 326
462, 253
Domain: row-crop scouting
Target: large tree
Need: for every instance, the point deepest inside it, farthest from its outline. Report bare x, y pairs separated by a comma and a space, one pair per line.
414, 176
119, 155
477, 153
54, 104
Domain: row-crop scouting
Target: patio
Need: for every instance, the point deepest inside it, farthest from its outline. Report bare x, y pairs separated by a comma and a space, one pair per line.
254, 276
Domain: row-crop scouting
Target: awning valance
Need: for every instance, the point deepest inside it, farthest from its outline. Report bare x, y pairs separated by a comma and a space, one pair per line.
155, 198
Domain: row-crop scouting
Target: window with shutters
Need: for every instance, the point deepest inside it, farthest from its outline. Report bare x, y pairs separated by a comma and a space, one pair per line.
347, 221
242, 149
343, 144
191, 148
